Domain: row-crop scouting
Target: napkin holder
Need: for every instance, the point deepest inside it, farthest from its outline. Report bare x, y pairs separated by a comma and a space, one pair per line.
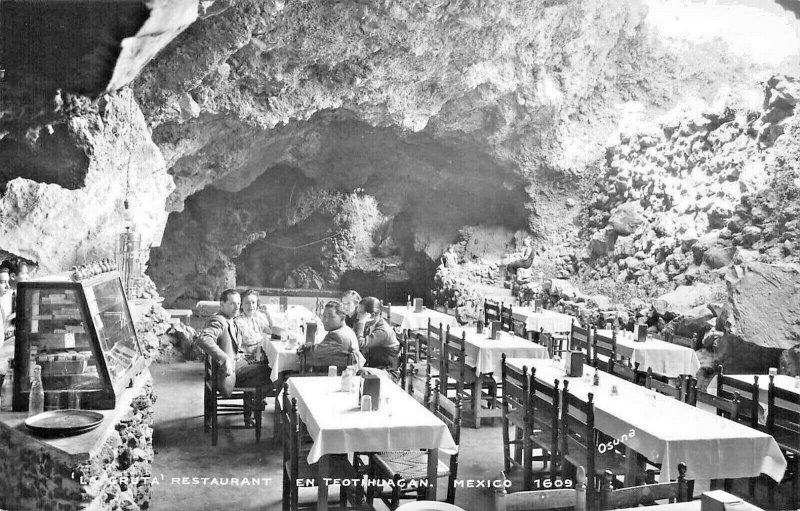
479, 326
495, 329
537, 305
718, 500
284, 303
640, 334
417, 304
574, 364
311, 333
370, 386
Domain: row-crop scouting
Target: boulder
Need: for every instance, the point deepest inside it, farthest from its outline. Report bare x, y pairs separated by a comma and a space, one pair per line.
683, 299
626, 218
563, 289
694, 321
599, 302
718, 257
789, 363
602, 242
711, 339
738, 355
762, 314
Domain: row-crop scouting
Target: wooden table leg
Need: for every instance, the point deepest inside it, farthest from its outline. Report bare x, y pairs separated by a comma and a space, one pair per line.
323, 471
433, 468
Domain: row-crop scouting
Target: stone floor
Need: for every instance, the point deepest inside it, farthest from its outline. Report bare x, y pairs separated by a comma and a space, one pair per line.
184, 451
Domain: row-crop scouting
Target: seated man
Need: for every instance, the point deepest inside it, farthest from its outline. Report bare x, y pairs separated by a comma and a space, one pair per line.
340, 345
379, 344
222, 330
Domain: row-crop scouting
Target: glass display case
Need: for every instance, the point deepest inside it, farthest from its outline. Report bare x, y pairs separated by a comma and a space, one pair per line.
82, 335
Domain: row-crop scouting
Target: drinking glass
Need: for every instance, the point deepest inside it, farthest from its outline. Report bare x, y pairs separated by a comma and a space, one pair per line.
74, 400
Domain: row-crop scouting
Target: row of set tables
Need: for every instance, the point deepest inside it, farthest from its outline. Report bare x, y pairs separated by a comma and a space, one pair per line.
669, 431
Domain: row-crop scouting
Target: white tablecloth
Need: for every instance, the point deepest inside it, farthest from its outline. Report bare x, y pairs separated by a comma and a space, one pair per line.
669, 431
406, 318
664, 357
485, 354
338, 426
547, 320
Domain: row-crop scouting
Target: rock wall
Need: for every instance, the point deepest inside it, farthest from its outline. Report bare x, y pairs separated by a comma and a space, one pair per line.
677, 203
59, 227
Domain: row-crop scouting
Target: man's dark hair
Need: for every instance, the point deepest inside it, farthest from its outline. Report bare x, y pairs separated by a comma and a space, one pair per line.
226, 294
371, 305
337, 308
249, 292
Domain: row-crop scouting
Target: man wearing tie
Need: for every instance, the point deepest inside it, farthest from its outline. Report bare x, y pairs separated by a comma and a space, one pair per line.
221, 340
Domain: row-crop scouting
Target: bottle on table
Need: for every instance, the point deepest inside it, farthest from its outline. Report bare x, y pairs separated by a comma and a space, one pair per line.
596, 380
7, 390
408, 303
36, 399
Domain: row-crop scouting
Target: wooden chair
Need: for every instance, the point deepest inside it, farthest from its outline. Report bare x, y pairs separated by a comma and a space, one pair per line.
578, 442
748, 397
688, 342
295, 464
309, 367
624, 371
215, 404
491, 311
647, 494
465, 381
516, 416
783, 424
405, 367
434, 345
544, 416
662, 385
409, 469
564, 498
554, 347
604, 349
581, 339
506, 318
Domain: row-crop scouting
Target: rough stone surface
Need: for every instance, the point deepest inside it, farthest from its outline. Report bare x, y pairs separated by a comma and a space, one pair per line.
683, 299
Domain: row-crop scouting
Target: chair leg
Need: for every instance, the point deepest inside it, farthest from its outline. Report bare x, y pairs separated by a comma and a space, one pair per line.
287, 490
206, 409
258, 407
214, 424
395, 493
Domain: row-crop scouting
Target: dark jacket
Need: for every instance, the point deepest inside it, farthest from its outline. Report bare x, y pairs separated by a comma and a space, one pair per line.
334, 349
380, 346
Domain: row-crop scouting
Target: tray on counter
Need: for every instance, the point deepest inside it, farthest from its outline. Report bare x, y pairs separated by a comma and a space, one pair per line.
64, 422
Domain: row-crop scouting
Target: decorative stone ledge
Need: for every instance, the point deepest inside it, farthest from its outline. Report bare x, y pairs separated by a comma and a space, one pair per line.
106, 468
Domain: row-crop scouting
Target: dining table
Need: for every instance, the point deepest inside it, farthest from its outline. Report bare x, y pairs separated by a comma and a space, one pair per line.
485, 355
337, 425
664, 357
550, 321
408, 318
288, 334
668, 431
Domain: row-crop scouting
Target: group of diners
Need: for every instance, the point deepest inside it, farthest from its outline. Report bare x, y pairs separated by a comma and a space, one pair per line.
355, 334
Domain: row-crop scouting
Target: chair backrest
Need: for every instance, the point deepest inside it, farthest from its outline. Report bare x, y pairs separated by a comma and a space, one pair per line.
581, 339
311, 366
578, 431
506, 319
386, 312
405, 362
604, 346
565, 498
634, 496
491, 311
516, 411
454, 360
748, 396
688, 342
661, 384
434, 344
632, 374
546, 340
728, 408
545, 405
783, 417
449, 412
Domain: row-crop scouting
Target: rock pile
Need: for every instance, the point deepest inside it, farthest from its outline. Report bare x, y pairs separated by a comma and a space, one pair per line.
675, 204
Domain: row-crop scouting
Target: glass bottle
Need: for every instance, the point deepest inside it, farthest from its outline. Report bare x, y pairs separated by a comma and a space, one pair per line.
7, 390
36, 399
596, 381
